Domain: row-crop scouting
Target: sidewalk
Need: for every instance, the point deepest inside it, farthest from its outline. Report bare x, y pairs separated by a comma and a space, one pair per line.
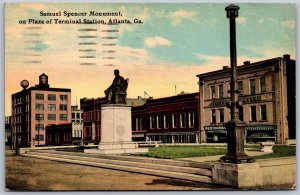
217, 157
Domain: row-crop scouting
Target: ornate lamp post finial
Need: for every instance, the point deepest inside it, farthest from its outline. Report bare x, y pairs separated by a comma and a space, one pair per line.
232, 11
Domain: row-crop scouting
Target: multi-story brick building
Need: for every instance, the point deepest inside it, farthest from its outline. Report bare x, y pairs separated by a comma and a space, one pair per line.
267, 94
92, 116
170, 119
35, 108
91, 119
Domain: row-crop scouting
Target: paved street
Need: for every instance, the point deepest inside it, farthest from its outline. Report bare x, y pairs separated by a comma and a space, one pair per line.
24, 173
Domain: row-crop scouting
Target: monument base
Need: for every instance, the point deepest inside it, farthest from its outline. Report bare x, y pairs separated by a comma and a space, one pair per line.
116, 131
117, 148
248, 175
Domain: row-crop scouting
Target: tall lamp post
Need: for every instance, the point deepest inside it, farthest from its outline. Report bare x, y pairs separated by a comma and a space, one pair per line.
235, 127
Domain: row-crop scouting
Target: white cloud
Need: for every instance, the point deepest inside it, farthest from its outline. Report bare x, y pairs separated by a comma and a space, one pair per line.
267, 53
178, 16
134, 12
156, 41
288, 23
261, 21
241, 20
272, 19
212, 63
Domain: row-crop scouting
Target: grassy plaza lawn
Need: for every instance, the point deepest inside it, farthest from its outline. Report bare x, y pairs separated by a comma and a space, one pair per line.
172, 152
279, 151
186, 151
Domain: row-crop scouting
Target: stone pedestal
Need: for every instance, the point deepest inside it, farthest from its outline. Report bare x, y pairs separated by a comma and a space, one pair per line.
267, 147
248, 175
235, 143
116, 131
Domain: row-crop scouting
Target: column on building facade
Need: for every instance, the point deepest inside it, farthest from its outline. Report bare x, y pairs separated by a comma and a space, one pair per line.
202, 116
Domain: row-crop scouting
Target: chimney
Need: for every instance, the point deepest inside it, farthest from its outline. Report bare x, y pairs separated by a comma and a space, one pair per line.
225, 67
150, 98
286, 57
139, 97
247, 63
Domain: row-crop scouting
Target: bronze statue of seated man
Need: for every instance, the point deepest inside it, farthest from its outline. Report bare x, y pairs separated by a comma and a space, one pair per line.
116, 92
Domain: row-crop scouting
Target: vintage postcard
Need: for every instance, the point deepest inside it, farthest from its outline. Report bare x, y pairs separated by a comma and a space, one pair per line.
150, 96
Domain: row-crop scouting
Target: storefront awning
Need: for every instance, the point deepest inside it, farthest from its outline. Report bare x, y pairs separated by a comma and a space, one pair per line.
261, 128
247, 128
138, 135
173, 133
207, 128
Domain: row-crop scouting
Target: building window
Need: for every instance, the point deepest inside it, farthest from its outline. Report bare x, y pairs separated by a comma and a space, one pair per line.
159, 121
63, 117
140, 123
152, 122
212, 92
39, 96
77, 115
39, 117
182, 120
51, 117
136, 123
220, 91
73, 115
166, 121
252, 86
221, 111
39, 137
63, 97
263, 112
240, 87
241, 113
191, 119
39, 106
51, 107
253, 113
63, 107
175, 120
213, 116
262, 84
39, 127
51, 97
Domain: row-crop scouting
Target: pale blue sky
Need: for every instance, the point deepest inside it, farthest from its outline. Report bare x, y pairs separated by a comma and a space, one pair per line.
262, 27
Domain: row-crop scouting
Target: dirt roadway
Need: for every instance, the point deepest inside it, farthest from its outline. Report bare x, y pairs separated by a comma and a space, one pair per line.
30, 174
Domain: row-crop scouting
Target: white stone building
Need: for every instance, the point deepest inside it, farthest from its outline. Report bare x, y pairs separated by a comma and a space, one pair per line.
77, 125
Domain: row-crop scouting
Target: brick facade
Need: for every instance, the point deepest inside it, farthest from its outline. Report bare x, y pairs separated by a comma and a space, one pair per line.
264, 97
35, 108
